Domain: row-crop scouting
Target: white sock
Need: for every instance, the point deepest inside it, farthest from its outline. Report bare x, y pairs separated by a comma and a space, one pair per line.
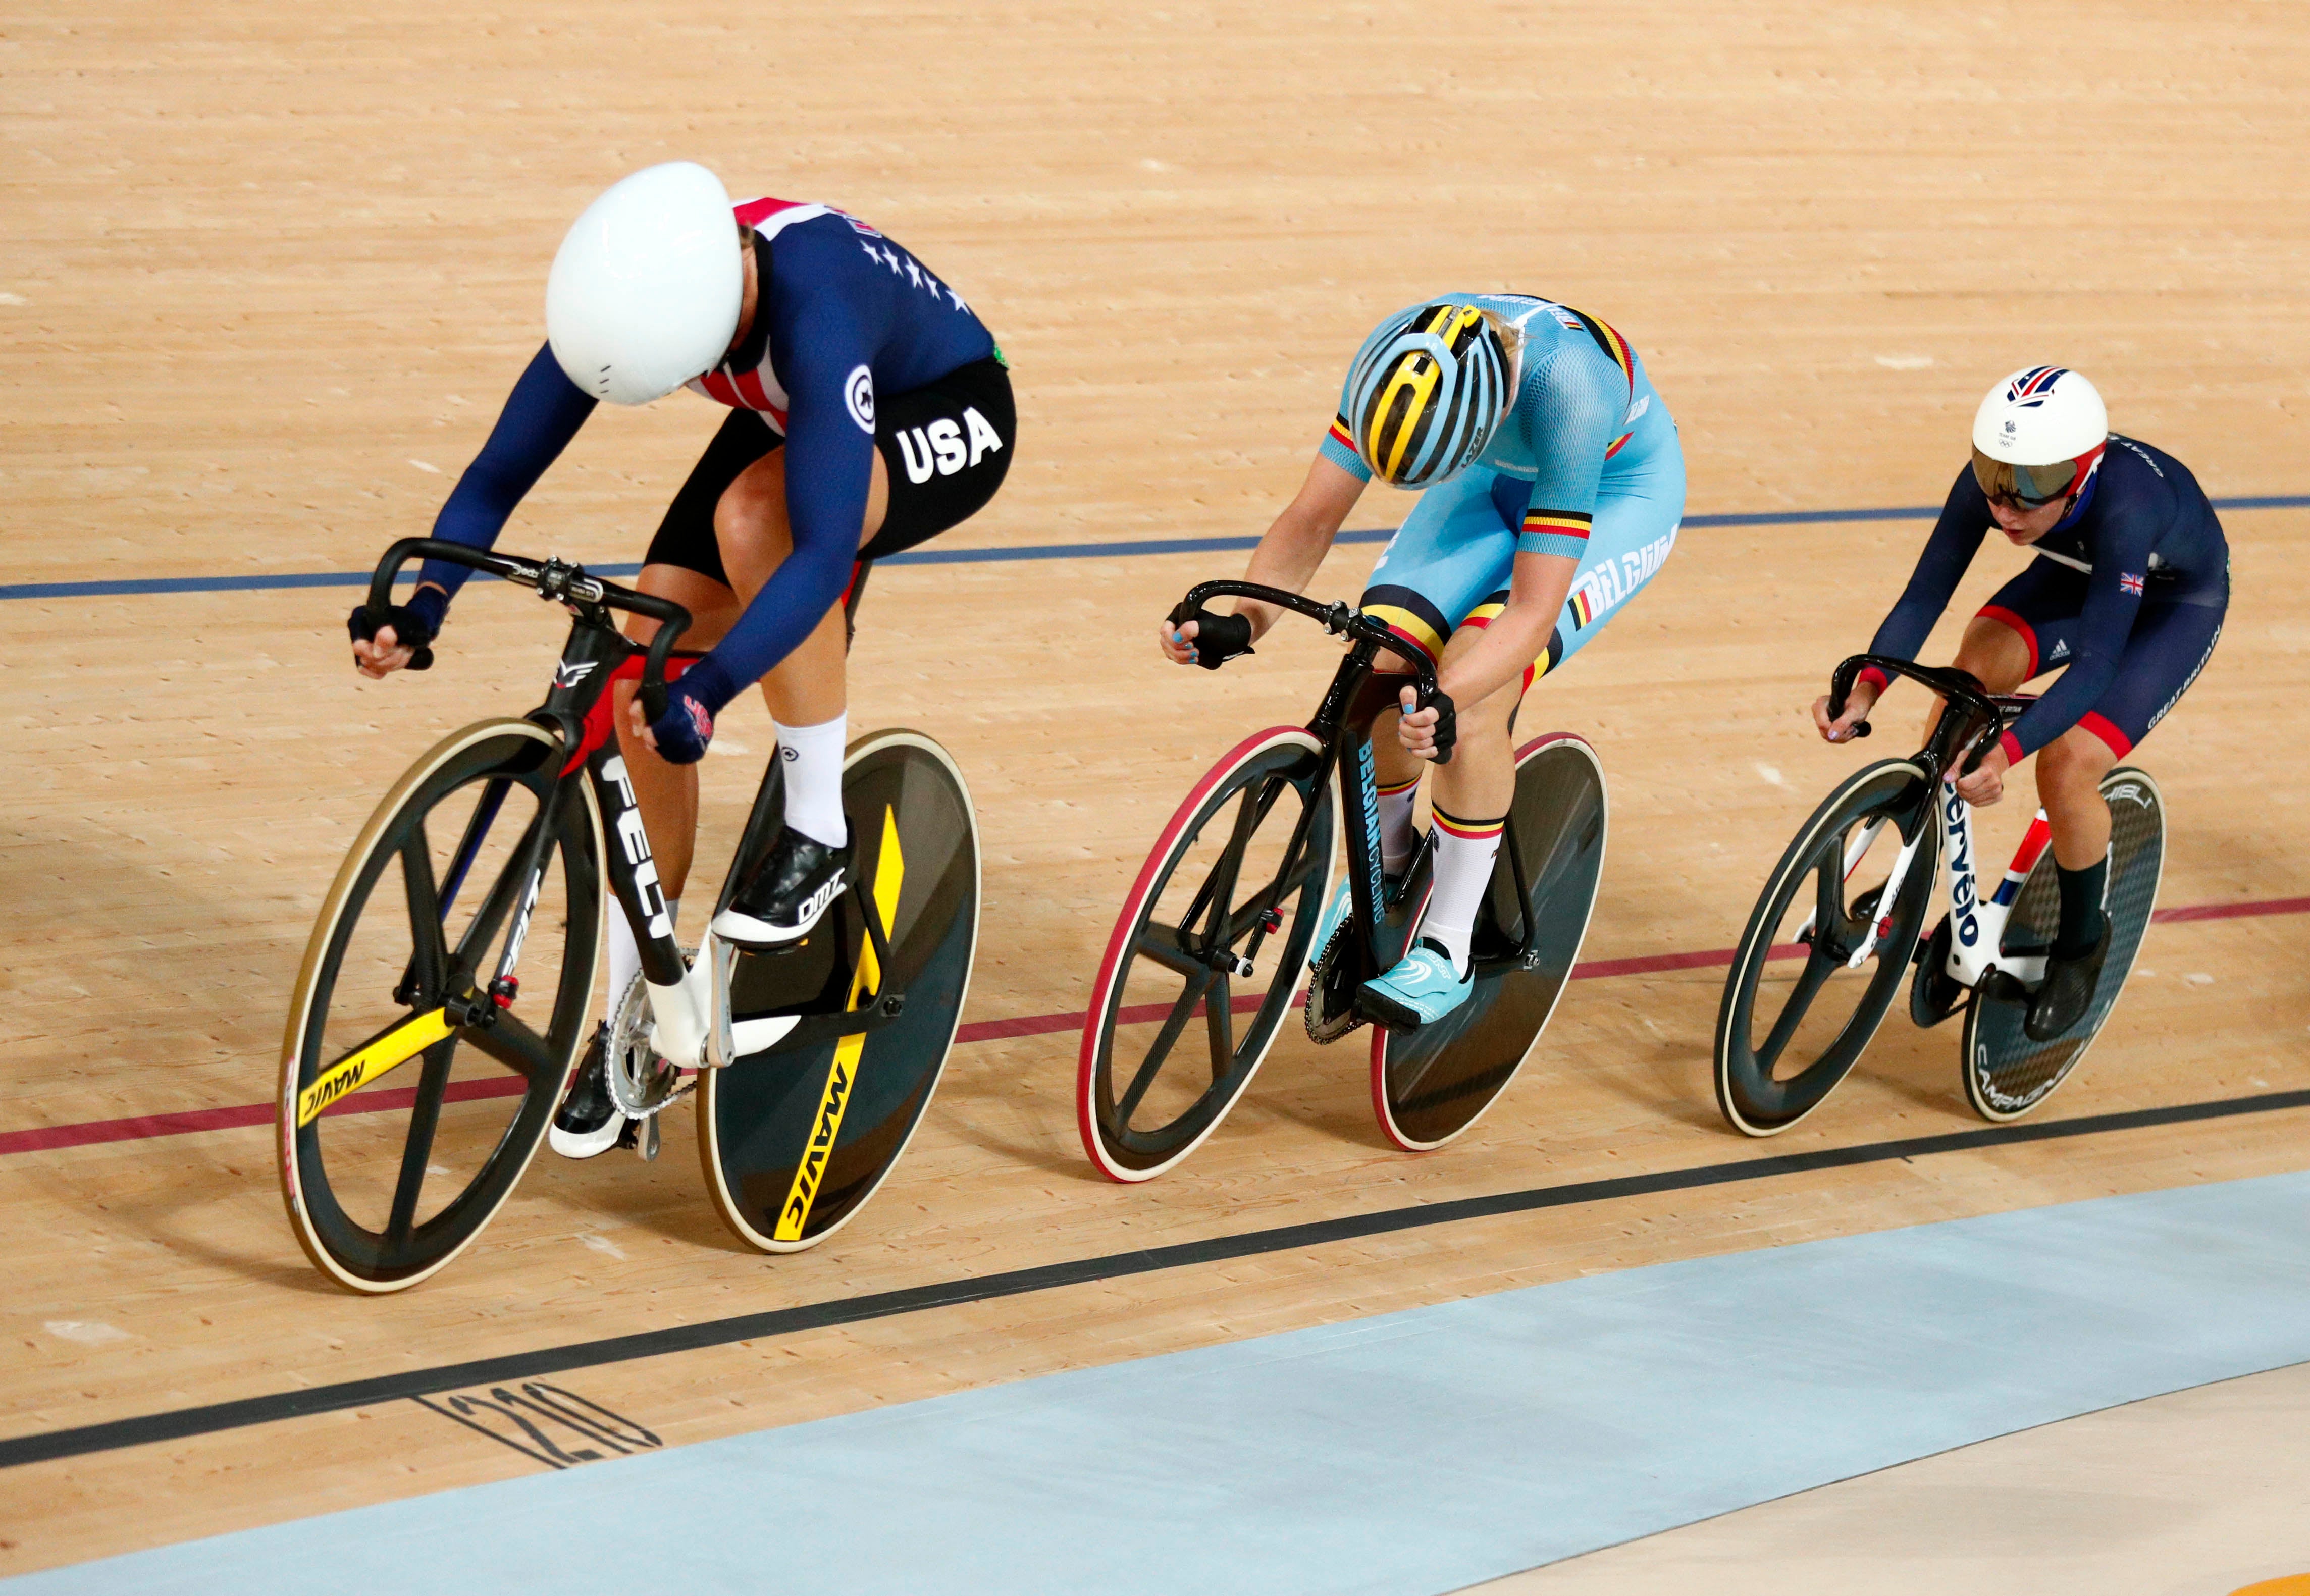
1464, 852
813, 762
1395, 835
625, 953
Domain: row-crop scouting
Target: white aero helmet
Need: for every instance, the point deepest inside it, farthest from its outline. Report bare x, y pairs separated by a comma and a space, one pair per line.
2037, 435
645, 289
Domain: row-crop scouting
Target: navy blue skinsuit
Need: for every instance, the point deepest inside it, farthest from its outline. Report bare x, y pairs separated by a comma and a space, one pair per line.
2128, 592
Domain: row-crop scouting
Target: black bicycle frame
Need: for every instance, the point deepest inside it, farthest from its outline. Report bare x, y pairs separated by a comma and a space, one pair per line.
573, 709
1969, 735
1358, 696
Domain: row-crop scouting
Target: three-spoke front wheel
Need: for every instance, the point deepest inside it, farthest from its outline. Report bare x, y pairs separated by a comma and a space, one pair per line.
1206, 956
1824, 955
412, 1095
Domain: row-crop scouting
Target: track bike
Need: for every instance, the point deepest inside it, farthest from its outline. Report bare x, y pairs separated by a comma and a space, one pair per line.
1850, 897
1214, 934
462, 933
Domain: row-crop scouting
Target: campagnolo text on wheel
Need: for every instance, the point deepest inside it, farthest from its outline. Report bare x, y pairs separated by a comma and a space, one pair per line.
1550, 487
868, 410
2126, 595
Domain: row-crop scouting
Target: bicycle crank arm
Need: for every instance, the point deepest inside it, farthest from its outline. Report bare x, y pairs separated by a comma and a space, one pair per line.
762, 1032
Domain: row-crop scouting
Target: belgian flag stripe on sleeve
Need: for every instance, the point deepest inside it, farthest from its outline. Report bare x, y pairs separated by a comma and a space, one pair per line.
1569, 523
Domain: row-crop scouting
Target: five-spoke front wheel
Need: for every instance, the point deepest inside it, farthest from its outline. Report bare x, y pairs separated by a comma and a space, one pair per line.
1206, 957
412, 1095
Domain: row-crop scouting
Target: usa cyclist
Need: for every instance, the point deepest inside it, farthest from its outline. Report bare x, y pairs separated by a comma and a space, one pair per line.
870, 409
1552, 485
2127, 593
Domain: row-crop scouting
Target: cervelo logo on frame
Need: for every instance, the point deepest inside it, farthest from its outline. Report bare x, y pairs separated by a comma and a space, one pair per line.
1963, 894
940, 449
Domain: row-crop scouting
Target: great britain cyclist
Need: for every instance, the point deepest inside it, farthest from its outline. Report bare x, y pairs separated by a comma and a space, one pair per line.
1551, 487
2127, 595
869, 408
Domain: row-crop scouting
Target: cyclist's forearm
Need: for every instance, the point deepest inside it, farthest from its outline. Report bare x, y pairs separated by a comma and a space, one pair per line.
1294, 547
540, 418
1497, 660
1537, 590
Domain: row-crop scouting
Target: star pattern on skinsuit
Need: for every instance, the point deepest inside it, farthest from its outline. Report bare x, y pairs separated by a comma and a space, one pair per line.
957, 298
892, 256
913, 275
872, 254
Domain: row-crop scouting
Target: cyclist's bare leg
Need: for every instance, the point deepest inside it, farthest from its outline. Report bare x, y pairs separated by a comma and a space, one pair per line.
2070, 769
667, 794
805, 689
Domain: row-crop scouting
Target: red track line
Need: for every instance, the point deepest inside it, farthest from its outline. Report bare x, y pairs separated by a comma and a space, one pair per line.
142, 1126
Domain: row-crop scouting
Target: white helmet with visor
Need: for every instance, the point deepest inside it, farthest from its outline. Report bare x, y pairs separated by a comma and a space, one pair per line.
645, 290
2038, 436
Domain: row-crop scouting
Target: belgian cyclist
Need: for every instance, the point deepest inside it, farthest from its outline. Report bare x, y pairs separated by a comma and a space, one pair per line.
2127, 593
1552, 488
870, 409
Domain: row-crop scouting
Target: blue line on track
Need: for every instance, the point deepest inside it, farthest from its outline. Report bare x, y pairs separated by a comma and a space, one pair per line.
135, 586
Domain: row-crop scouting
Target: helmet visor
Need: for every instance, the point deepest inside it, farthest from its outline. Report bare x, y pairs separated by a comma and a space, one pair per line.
2028, 486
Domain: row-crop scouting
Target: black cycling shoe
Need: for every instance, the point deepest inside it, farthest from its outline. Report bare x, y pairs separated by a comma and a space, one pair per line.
588, 1122
789, 894
2068, 990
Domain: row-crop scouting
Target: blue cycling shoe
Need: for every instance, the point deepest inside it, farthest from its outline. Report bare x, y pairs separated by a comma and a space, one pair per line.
1340, 903
1421, 990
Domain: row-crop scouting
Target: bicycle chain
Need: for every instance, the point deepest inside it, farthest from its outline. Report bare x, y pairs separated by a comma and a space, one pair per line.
1332, 1027
642, 1080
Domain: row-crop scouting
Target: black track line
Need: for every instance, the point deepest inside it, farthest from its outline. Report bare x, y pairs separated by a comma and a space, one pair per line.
183, 1423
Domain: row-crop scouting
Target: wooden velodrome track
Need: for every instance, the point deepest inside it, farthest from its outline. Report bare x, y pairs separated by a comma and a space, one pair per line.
270, 269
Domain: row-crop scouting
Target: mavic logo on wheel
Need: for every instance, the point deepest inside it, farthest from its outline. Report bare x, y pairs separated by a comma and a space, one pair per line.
820, 1150
634, 837
1962, 892
2132, 791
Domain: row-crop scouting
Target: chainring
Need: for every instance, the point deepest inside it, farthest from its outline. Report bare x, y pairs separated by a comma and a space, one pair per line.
642, 1081
1331, 1008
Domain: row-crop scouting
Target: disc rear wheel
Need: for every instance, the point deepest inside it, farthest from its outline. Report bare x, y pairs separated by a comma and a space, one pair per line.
1429, 1086
2007, 1074
795, 1140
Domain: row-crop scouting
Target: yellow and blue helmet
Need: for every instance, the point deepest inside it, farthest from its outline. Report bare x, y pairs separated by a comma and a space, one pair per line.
1426, 393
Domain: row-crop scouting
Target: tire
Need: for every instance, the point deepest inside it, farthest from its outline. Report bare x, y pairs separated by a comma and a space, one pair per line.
1266, 785
797, 1139
1430, 1085
2006, 1074
1758, 1096
342, 1138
